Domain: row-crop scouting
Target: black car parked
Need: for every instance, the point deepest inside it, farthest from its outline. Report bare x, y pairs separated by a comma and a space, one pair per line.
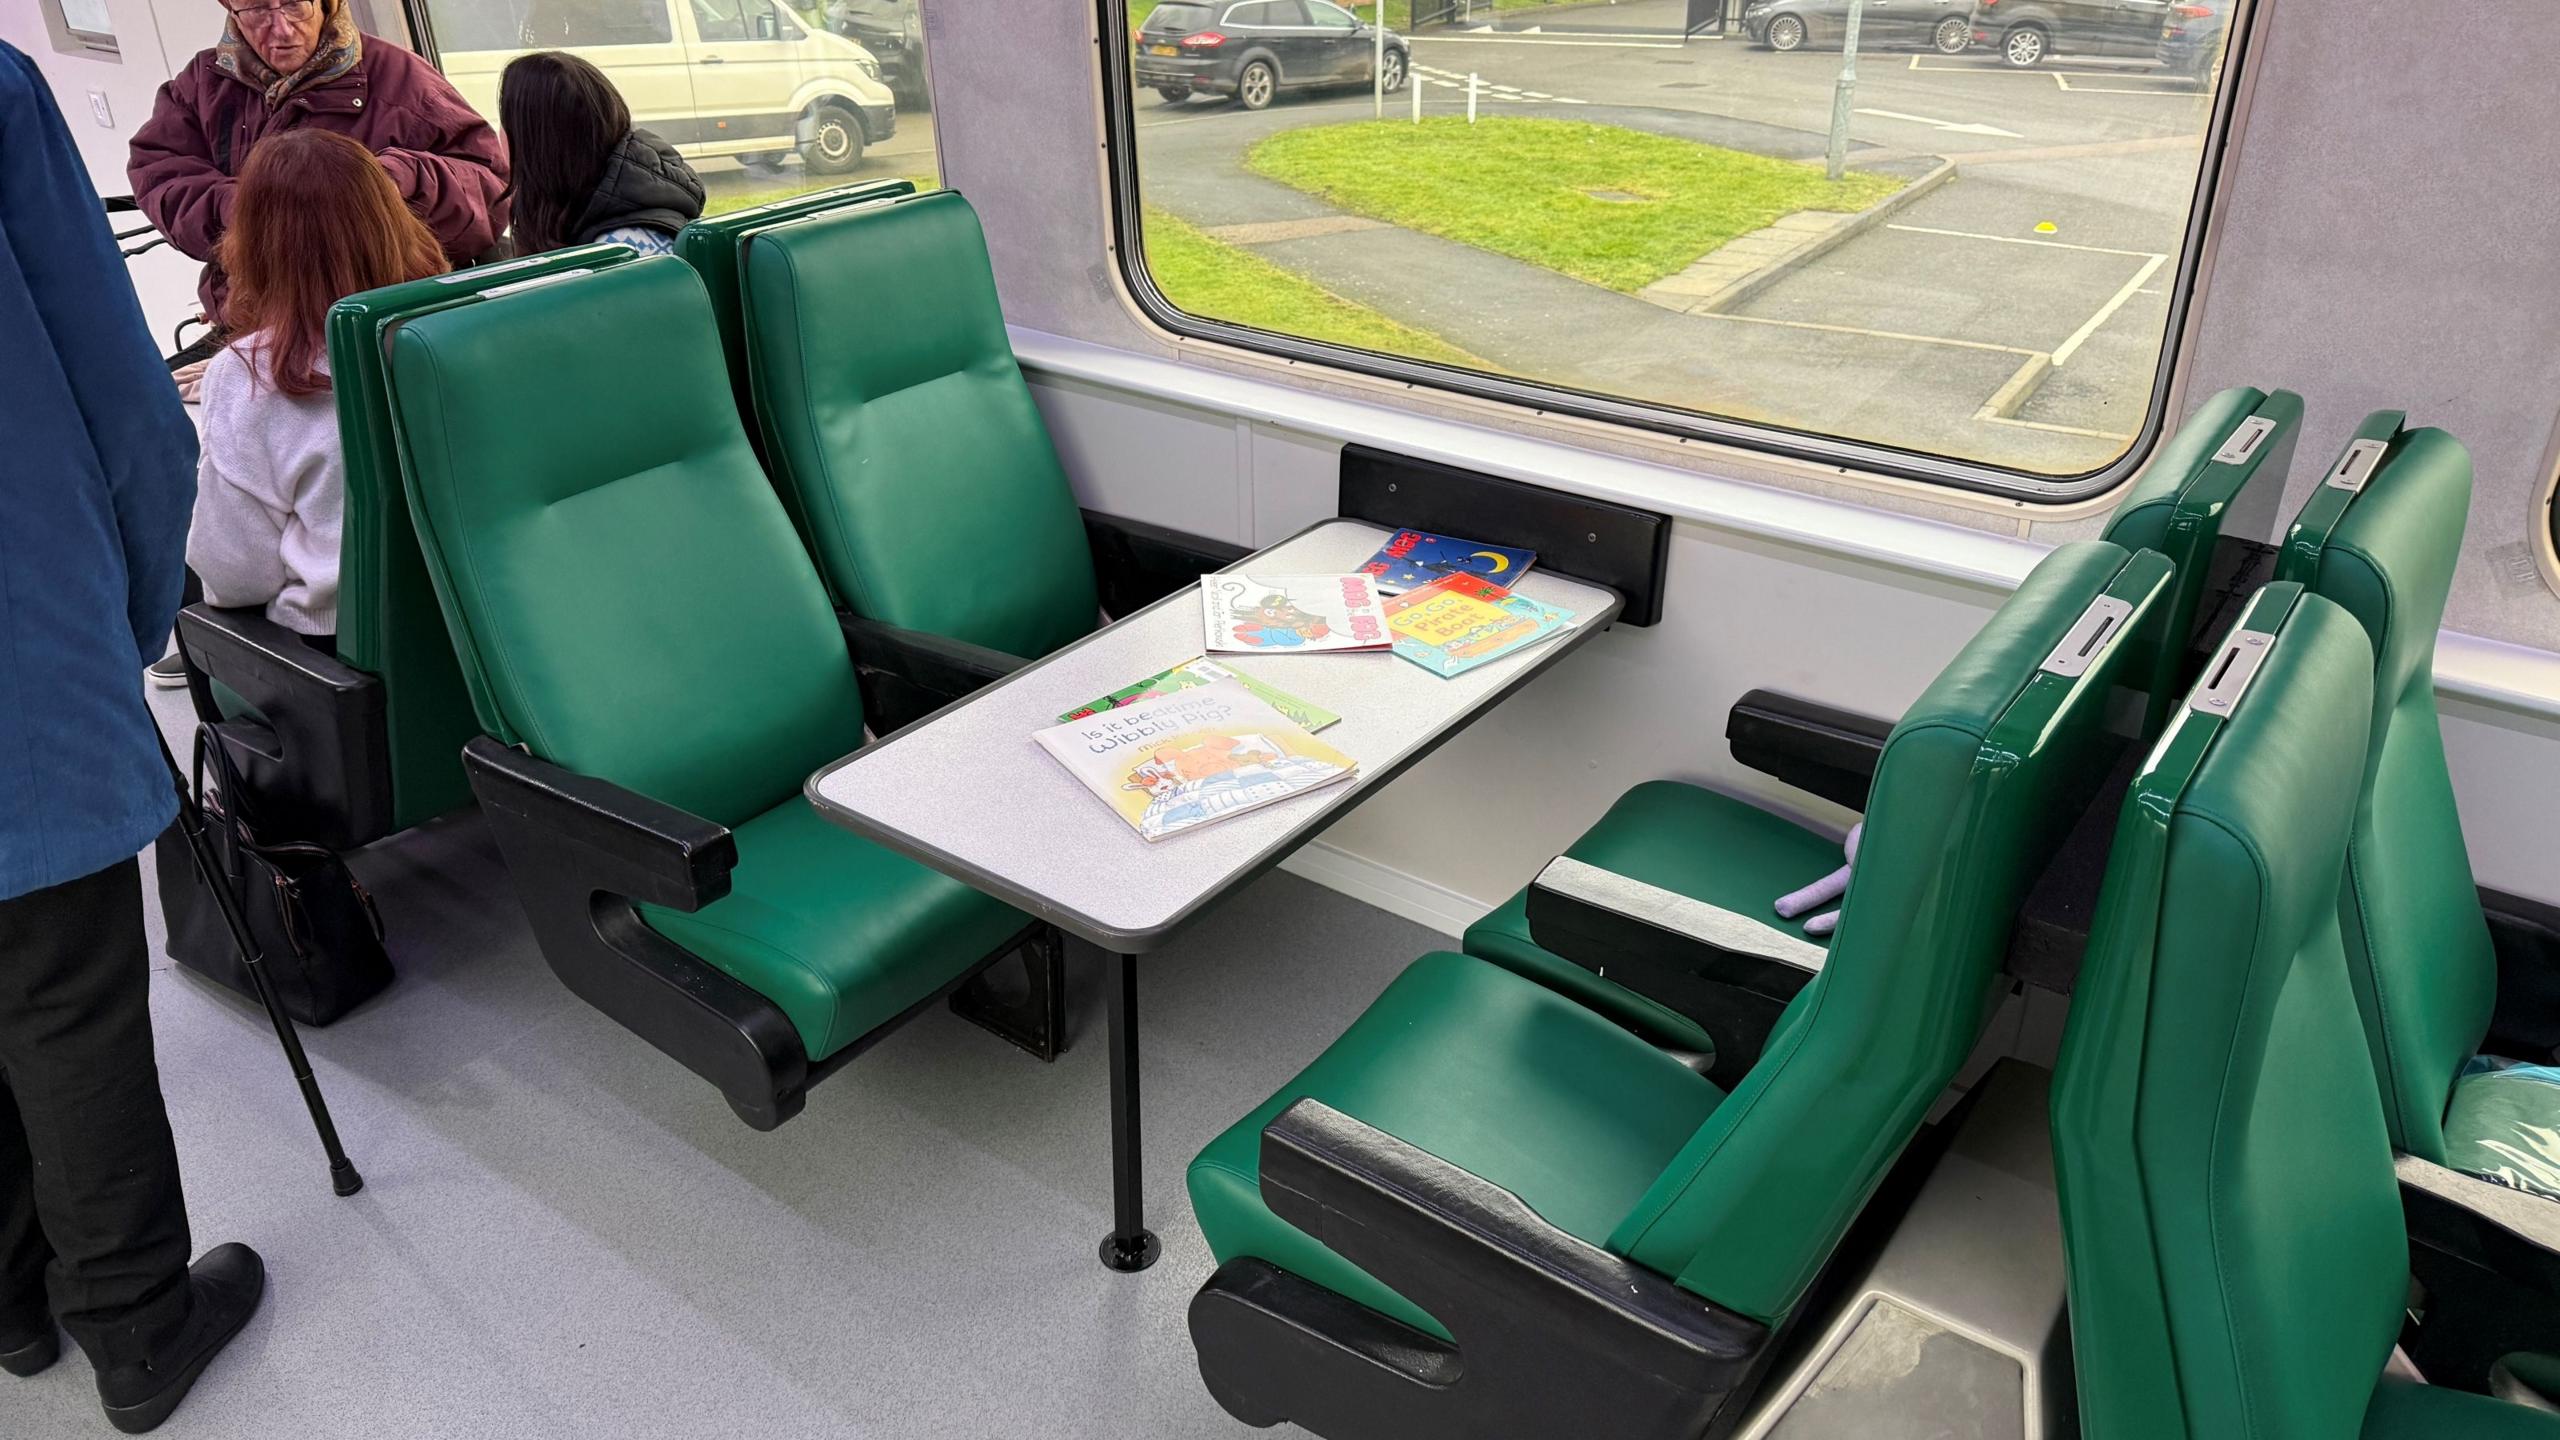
1945, 26
2192, 37
894, 34
2024, 32
1253, 49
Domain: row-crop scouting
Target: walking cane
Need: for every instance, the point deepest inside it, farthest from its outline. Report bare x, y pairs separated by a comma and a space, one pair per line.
342, 1171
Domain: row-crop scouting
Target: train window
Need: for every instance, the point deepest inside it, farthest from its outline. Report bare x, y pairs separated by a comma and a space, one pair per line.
1958, 251
766, 98
80, 27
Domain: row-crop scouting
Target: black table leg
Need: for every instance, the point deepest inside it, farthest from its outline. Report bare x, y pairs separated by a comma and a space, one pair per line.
1130, 1246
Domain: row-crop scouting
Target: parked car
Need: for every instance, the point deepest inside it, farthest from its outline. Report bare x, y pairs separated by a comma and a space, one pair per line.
1254, 49
2025, 32
893, 31
710, 77
1945, 26
2191, 39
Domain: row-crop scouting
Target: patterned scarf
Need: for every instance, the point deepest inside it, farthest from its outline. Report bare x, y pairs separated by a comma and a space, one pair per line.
341, 46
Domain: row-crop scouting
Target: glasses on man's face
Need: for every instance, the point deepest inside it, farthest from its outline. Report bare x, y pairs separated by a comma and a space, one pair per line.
289, 12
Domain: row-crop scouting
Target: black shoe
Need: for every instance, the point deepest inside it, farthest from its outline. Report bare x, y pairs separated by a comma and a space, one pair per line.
31, 1357
167, 673
227, 1285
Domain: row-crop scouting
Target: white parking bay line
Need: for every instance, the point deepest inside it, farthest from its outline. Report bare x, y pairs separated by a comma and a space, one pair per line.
2062, 354
1489, 90
2022, 240
1950, 126
1516, 38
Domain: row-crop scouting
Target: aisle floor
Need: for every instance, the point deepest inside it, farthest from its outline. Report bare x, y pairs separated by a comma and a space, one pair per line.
565, 1234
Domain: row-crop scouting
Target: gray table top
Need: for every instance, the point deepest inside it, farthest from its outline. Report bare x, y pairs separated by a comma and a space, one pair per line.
969, 792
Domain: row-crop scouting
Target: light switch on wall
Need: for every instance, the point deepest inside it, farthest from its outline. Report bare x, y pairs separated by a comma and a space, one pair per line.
98, 107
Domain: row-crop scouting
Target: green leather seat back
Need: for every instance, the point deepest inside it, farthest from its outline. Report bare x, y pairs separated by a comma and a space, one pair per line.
388, 623
1973, 792
897, 419
2188, 495
715, 246
2237, 1264
2417, 943
623, 586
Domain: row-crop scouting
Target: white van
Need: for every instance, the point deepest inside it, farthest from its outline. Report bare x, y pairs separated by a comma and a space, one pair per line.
710, 77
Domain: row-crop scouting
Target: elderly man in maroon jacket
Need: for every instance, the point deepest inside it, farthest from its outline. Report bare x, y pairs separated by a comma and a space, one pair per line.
288, 63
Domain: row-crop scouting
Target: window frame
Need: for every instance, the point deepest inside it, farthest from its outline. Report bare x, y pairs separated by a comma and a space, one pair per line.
70, 39
1863, 457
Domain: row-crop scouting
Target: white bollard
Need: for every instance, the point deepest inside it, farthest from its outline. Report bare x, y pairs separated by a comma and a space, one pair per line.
1413, 83
1471, 97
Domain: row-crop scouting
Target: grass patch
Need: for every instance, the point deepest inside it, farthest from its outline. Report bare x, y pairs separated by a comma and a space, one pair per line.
722, 204
1217, 281
1532, 189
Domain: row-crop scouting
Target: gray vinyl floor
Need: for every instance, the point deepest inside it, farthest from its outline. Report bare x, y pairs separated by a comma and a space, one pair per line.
565, 1234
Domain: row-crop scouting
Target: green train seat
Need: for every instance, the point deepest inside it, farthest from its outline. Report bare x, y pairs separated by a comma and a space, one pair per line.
1735, 855
2201, 483
656, 671
2237, 1261
1488, 1210
2381, 536
901, 431
345, 749
715, 246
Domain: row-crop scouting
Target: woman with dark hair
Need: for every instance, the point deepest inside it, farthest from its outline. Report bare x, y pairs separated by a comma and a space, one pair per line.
317, 219
582, 174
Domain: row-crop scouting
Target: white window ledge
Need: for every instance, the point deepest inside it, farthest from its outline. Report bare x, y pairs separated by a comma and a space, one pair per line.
2468, 667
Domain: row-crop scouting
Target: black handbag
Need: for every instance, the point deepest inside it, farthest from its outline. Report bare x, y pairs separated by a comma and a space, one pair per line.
317, 931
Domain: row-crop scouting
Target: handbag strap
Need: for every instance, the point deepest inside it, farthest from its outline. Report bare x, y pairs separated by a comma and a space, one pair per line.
235, 806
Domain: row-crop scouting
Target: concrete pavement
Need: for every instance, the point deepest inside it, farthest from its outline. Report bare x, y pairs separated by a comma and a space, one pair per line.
2014, 315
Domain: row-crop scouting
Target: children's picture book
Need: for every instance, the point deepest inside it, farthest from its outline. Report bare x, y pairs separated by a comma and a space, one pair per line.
1280, 614
1201, 670
1199, 755
1459, 622
1412, 559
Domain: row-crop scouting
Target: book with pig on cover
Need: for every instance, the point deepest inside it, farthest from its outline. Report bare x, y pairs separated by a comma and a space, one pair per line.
1198, 755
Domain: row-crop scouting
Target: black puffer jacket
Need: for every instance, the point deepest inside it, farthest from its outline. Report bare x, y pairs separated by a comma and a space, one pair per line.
646, 185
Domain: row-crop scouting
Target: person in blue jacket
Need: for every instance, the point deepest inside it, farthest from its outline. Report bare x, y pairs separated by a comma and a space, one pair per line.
97, 478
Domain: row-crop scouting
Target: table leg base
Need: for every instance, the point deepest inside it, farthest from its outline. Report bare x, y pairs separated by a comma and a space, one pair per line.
1132, 1253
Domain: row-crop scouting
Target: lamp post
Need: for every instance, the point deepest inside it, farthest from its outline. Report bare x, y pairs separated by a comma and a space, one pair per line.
1842, 90
1378, 63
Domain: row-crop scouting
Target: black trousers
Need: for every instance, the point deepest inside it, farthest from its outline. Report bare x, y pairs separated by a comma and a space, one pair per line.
89, 1193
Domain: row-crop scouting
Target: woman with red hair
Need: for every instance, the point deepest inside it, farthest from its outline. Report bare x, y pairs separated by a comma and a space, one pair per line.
317, 219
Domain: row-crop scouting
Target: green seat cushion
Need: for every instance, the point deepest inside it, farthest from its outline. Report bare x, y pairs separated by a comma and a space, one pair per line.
2505, 1124
1704, 845
2403, 1411
840, 933
1495, 1074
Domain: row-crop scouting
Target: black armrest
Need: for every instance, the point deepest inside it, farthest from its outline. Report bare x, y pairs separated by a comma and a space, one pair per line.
1817, 748
908, 674
581, 850
1730, 973
1553, 1336
627, 844
1136, 564
2526, 936
319, 759
2488, 1260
